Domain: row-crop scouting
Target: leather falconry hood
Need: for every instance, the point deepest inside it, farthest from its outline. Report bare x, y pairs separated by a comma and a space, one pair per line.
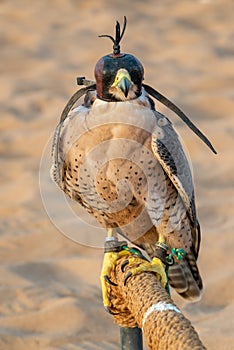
105, 71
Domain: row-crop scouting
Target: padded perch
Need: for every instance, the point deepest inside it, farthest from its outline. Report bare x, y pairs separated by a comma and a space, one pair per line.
163, 330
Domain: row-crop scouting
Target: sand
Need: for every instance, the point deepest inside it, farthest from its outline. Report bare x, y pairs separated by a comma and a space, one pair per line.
50, 294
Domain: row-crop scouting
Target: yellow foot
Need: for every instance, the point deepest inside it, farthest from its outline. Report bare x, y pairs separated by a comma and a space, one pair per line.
109, 263
134, 260
155, 265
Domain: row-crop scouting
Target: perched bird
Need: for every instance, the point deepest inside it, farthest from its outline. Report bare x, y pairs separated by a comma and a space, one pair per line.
123, 161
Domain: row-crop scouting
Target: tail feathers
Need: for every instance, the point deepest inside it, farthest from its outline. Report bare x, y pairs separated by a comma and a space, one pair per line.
185, 278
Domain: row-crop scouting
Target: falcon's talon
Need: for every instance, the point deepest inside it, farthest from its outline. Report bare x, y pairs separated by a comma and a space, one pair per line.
124, 264
129, 274
107, 308
109, 281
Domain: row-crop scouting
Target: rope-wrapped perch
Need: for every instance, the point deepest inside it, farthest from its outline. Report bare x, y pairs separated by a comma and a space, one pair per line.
143, 302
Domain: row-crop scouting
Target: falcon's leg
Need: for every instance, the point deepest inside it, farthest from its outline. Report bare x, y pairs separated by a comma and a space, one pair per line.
113, 252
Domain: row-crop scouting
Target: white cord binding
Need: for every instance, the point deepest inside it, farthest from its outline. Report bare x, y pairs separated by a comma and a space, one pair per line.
159, 307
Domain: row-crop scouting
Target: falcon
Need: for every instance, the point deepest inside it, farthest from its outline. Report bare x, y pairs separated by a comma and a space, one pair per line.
123, 161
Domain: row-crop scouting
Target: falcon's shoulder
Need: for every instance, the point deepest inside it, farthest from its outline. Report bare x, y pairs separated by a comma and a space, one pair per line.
66, 133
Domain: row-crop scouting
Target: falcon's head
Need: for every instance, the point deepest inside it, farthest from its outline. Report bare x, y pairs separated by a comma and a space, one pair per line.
118, 75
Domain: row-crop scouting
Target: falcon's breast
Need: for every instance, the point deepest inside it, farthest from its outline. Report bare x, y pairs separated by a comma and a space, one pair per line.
119, 160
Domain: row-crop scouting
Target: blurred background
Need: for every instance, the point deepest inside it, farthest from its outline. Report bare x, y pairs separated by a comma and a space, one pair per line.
50, 294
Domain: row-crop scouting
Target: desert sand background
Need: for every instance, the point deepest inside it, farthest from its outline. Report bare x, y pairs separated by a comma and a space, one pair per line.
50, 294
